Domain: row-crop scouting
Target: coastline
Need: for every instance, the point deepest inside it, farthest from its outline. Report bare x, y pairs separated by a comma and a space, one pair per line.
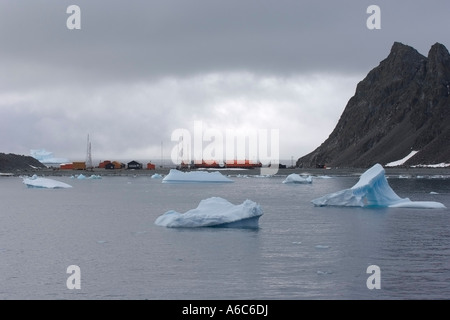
390, 171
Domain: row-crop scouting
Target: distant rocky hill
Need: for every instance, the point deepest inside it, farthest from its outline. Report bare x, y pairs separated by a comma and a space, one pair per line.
402, 105
13, 162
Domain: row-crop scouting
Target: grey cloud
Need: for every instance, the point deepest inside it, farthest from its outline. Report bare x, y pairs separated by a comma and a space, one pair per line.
139, 69
145, 39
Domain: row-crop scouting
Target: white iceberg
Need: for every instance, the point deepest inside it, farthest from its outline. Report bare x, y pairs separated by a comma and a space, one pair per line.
214, 212
372, 190
296, 178
83, 177
38, 182
176, 176
46, 157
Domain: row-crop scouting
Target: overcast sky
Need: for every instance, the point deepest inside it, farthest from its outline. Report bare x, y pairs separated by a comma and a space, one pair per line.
138, 70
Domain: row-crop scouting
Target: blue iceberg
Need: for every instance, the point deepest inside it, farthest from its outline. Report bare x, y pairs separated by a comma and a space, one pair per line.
176, 176
83, 177
214, 212
372, 190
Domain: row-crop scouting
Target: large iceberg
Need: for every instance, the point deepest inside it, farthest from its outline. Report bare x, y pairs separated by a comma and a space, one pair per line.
38, 182
46, 157
372, 190
176, 176
214, 212
296, 178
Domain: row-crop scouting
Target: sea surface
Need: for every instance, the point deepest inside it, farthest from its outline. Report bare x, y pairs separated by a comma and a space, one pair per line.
106, 228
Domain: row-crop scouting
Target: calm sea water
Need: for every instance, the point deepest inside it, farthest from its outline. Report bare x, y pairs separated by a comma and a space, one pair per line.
106, 227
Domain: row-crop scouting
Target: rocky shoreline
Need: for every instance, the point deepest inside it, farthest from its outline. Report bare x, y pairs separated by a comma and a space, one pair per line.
19, 165
401, 171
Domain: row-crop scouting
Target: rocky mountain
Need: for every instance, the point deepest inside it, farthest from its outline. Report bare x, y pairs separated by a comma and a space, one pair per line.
402, 105
13, 162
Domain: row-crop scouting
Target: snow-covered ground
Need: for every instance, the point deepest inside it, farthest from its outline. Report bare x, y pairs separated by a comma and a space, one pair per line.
410, 155
401, 161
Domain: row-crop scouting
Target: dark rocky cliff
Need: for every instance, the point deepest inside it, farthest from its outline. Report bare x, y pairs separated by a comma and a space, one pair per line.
402, 105
13, 162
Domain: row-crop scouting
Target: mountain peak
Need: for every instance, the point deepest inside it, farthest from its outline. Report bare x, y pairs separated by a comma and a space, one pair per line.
401, 105
402, 55
438, 48
439, 63
398, 46
400, 49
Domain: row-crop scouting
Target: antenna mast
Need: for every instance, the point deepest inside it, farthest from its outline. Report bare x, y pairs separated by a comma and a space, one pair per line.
88, 155
162, 161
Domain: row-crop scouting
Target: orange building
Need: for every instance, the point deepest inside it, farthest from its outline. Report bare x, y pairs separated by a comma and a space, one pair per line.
66, 166
103, 164
242, 164
79, 165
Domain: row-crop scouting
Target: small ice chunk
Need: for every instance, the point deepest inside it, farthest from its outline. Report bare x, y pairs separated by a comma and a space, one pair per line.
296, 178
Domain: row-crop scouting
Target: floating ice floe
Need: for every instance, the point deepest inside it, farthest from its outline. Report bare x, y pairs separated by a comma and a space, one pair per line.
176, 176
372, 190
214, 212
6, 174
38, 182
156, 176
296, 178
83, 177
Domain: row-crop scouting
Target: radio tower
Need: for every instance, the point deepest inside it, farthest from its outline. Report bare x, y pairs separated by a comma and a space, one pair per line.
88, 155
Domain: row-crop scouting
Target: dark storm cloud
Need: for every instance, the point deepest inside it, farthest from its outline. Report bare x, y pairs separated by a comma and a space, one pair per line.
139, 69
145, 39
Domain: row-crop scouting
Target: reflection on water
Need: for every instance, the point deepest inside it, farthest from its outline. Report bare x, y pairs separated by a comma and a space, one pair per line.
106, 227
